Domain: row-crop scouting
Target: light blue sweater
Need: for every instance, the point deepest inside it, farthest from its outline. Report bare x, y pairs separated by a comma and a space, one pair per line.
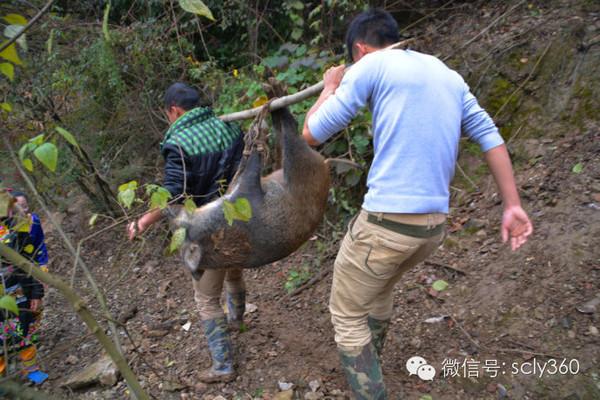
419, 108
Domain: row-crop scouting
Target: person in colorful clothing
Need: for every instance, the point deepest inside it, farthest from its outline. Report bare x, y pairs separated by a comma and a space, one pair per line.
18, 332
36, 233
202, 153
419, 108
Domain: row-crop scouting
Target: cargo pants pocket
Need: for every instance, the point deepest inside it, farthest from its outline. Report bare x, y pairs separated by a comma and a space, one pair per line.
385, 256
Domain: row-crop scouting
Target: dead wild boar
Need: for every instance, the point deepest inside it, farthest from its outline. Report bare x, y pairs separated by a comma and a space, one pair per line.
287, 206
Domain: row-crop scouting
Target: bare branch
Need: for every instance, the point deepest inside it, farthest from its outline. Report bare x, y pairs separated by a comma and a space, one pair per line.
81, 309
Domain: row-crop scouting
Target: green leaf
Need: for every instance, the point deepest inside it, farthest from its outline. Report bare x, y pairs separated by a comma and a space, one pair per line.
298, 5
15, 19
14, 30
150, 188
92, 220
47, 154
240, 210
37, 140
296, 33
28, 164
314, 12
243, 209
126, 197
361, 143
67, 136
439, 285
177, 239
6, 107
196, 7
577, 168
127, 193
9, 303
26, 149
160, 198
352, 178
426, 397
189, 205
133, 185
8, 70
105, 22
10, 54
228, 211
50, 42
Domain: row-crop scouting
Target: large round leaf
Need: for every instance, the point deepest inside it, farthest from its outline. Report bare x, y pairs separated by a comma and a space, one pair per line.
15, 19
47, 154
9, 303
196, 7
8, 70
10, 54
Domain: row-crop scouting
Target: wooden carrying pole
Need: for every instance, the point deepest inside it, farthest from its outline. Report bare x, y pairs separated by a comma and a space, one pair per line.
292, 98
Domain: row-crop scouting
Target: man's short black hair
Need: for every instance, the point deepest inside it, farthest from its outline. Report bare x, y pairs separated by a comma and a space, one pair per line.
18, 193
374, 27
181, 95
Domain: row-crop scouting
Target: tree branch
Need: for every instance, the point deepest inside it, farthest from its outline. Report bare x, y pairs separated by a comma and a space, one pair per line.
17, 391
81, 309
29, 25
97, 291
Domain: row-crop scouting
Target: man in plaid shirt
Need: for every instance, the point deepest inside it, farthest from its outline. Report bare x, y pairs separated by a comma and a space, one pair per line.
202, 154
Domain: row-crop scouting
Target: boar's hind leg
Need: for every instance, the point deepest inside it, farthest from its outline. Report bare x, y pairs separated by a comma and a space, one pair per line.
248, 179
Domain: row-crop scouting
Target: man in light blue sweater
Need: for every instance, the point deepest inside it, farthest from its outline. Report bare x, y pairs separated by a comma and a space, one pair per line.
420, 107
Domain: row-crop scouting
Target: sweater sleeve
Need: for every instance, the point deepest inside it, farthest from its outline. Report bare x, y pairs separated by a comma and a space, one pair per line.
338, 110
477, 125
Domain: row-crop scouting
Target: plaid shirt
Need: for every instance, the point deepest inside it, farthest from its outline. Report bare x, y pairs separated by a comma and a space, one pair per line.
206, 148
199, 132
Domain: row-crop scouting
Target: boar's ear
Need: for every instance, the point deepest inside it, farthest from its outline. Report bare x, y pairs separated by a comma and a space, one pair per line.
192, 254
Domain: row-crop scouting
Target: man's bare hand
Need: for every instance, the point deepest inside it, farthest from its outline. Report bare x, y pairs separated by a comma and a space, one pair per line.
132, 230
516, 226
333, 76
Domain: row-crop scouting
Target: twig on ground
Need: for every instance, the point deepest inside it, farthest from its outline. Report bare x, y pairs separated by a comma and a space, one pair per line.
483, 31
322, 274
510, 139
463, 173
524, 82
438, 265
486, 348
407, 27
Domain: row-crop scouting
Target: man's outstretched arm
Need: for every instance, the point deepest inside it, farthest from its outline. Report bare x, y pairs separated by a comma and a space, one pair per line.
516, 225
